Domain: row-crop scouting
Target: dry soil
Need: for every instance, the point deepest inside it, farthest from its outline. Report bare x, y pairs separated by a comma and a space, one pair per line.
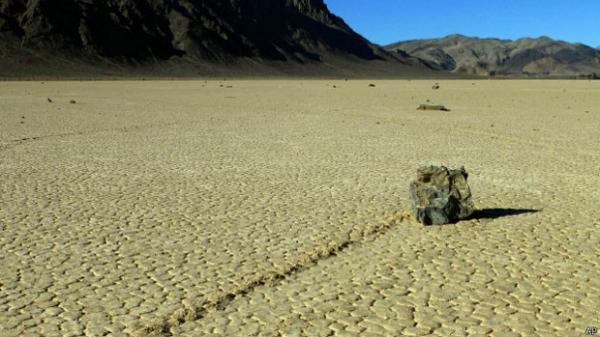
277, 208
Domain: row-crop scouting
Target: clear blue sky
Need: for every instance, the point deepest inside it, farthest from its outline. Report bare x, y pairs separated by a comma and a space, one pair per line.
387, 21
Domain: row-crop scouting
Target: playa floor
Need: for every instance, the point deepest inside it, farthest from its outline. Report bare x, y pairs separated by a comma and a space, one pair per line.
278, 208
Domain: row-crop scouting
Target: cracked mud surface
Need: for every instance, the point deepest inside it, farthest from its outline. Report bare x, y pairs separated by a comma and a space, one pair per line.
274, 208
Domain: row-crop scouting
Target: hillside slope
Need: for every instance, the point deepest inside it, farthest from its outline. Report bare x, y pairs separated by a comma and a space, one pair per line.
538, 57
180, 34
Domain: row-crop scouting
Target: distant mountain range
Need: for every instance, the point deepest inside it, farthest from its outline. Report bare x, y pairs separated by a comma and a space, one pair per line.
186, 34
527, 56
232, 37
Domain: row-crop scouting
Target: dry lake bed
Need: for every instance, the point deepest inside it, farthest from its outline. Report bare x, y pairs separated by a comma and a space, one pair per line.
278, 208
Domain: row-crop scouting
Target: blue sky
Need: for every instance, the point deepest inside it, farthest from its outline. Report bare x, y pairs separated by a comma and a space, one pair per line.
387, 21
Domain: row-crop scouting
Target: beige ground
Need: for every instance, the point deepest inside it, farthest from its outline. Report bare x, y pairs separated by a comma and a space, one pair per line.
274, 208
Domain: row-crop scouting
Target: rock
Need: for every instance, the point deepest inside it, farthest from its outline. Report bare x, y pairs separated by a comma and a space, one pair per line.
432, 107
441, 195
372, 85
73, 101
435, 86
49, 100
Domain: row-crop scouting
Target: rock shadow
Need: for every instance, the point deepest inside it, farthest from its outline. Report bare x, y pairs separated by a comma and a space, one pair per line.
495, 213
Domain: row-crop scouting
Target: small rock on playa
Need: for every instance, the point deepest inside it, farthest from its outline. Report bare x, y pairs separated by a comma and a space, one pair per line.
432, 107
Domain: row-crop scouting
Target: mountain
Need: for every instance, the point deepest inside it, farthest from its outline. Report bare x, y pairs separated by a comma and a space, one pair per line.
527, 56
183, 34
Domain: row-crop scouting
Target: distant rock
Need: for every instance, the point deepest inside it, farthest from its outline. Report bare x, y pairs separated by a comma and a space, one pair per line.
441, 195
432, 107
435, 86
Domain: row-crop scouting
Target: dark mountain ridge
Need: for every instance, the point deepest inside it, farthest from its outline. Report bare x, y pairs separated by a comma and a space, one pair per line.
220, 32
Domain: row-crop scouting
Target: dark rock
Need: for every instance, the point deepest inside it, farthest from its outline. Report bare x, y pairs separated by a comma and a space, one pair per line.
432, 107
441, 195
372, 85
435, 86
73, 101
